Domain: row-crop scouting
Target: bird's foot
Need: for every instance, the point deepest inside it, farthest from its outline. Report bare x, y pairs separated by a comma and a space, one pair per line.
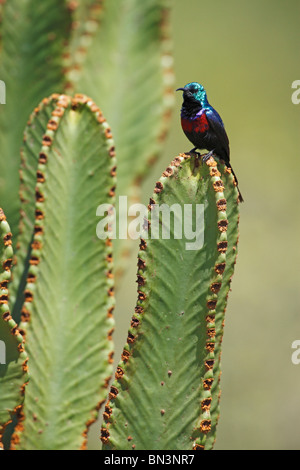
194, 150
207, 156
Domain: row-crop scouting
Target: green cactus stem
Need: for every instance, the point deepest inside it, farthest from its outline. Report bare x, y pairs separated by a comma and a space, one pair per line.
13, 358
94, 47
166, 390
136, 95
34, 34
69, 291
31, 157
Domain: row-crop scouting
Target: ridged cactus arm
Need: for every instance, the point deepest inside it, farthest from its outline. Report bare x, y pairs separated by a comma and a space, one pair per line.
32, 159
13, 358
1, 19
166, 386
86, 16
228, 246
137, 95
34, 35
69, 293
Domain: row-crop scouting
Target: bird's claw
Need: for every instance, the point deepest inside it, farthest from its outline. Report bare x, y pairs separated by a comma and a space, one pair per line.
194, 151
207, 156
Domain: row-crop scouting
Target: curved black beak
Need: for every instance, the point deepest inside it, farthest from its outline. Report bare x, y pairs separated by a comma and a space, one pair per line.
182, 89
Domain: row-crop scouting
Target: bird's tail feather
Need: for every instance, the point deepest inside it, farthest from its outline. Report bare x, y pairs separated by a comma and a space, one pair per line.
241, 199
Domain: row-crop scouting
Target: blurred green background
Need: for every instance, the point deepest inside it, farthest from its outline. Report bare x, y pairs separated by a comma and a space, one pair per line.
246, 54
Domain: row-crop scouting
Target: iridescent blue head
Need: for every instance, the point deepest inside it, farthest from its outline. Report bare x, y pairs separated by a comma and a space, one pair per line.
194, 93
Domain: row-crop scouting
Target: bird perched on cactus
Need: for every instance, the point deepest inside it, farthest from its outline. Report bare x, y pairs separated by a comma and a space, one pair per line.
203, 126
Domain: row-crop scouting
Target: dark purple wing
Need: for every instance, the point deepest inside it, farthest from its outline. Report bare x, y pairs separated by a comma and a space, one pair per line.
217, 127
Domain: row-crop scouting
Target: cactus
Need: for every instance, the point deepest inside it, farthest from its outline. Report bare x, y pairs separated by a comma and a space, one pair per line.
33, 136
31, 64
67, 315
94, 47
136, 95
131, 86
13, 363
166, 389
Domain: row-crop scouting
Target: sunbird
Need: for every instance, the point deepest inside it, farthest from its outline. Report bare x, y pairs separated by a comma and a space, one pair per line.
203, 125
